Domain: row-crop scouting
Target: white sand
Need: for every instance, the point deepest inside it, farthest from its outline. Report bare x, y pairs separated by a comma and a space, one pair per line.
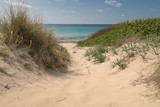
85, 85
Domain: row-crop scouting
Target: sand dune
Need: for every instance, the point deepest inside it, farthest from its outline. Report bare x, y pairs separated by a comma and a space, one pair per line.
84, 85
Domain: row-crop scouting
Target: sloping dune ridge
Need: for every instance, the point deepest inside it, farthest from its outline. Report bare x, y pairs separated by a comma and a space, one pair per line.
85, 84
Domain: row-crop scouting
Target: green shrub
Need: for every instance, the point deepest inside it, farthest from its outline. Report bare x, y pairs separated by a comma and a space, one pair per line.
31, 53
100, 32
99, 58
120, 64
97, 54
120, 33
20, 29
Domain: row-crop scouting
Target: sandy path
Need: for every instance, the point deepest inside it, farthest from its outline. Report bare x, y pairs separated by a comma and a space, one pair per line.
85, 85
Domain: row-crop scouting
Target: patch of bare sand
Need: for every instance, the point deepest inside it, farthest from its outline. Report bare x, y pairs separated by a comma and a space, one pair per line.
85, 85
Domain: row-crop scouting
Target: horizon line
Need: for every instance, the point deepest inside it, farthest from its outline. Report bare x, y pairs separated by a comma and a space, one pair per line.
78, 24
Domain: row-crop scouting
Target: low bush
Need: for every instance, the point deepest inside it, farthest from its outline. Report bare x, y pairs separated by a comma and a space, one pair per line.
119, 34
120, 64
97, 54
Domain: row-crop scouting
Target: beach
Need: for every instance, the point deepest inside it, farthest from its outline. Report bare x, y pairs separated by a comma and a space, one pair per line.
84, 84
79, 53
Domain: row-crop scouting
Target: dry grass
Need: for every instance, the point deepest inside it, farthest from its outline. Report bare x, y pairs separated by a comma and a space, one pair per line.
155, 77
4, 52
20, 29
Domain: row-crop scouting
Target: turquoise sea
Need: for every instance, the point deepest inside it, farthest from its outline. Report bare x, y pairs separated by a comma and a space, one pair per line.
75, 32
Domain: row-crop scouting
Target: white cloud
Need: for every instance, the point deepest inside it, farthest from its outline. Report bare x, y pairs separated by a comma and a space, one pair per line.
18, 4
99, 10
122, 15
113, 3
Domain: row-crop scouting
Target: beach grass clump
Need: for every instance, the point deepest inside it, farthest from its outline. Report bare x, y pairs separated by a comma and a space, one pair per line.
98, 54
125, 32
122, 66
151, 45
120, 63
31, 53
154, 45
139, 49
114, 51
20, 29
129, 50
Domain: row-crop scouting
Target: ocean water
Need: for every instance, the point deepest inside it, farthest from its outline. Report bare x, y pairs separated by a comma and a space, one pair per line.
74, 32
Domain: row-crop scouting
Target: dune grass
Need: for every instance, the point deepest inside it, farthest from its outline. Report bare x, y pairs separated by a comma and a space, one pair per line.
156, 78
19, 29
4, 52
119, 34
120, 64
97, 54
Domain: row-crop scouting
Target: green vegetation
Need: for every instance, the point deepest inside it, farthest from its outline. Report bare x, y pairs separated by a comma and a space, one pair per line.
119, 34
20, 29
120, 64
31, 53
127, 52
146, 31
152, 45
114, 51
98, 54
141, 37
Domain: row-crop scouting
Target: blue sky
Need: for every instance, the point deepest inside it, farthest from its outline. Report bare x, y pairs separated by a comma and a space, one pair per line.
89, 11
